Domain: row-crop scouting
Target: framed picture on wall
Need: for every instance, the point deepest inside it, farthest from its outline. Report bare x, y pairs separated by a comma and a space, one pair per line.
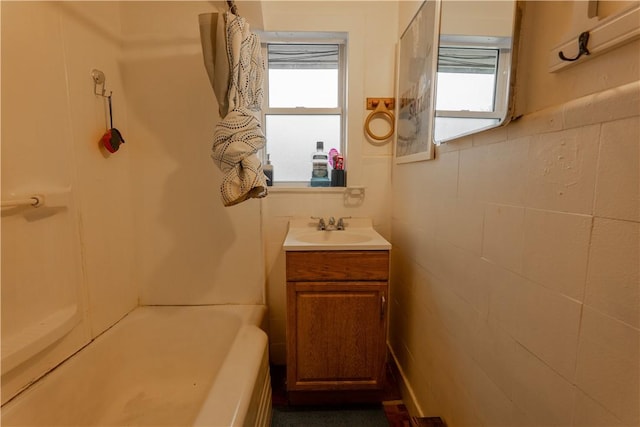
417, 62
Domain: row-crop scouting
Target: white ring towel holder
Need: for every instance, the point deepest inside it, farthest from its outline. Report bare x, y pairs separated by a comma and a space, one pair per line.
382, 109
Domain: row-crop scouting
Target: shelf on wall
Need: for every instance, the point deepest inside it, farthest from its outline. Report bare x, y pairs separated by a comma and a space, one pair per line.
607, 35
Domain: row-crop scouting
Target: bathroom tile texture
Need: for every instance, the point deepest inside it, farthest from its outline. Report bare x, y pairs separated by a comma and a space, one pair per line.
516, 299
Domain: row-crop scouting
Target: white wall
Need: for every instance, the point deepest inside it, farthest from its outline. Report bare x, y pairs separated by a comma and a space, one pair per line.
371, 57
486, 18
190, 248
515, 263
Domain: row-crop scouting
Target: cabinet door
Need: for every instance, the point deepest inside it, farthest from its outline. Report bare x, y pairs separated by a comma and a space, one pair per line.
336, 335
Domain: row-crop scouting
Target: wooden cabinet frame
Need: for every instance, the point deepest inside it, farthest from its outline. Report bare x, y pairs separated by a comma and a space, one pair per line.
336, 320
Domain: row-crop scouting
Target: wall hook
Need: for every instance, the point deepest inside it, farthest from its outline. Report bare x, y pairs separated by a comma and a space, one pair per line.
582, 47
112, 138
99, 79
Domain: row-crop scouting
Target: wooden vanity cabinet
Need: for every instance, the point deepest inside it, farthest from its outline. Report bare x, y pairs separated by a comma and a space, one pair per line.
336, 319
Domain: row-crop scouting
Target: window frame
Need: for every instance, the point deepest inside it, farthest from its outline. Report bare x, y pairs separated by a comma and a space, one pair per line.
319, 38
503, 47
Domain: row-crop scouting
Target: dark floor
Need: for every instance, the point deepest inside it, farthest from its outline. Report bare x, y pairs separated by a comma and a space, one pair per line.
391, 412
329, 417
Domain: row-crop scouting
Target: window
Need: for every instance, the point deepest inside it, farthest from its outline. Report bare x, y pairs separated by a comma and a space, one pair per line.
470, 73
304, 102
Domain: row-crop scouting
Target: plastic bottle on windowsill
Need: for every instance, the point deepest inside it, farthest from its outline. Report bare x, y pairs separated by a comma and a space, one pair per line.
268, 171
320, 167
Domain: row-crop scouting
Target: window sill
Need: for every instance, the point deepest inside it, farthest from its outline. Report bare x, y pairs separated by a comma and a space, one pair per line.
289, 188
302, 189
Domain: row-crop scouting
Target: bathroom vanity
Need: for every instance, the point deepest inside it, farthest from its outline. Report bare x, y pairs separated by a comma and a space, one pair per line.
337, 297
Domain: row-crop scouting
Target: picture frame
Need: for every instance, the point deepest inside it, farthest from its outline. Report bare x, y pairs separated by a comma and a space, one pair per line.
415, 85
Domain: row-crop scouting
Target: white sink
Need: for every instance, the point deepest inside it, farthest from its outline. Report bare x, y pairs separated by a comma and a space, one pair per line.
359, 234
336, 237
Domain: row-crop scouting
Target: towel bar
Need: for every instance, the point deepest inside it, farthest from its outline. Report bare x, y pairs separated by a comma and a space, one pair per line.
35, 201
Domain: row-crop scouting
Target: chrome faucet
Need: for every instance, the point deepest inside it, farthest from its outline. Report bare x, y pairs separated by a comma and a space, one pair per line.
331, 225
340, 225
321, 224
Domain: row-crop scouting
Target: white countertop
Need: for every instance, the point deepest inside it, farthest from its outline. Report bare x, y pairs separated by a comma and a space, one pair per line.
358, 235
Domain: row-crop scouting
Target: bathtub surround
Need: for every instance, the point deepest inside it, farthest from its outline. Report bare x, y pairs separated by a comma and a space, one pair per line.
80, 255
143, 227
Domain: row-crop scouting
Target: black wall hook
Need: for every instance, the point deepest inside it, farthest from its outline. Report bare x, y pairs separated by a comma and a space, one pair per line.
582, 47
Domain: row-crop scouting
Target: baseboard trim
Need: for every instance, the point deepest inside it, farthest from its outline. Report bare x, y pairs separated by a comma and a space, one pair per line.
408, 396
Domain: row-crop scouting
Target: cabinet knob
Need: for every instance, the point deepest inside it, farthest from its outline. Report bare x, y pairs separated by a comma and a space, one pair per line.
383, 306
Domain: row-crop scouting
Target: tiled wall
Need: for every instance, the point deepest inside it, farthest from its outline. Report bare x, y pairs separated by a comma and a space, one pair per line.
515, 281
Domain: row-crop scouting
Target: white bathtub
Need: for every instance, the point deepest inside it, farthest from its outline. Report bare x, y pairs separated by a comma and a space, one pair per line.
159, 366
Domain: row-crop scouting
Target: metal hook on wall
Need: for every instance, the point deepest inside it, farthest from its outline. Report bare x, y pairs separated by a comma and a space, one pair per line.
112, 138
583, 40
99, 79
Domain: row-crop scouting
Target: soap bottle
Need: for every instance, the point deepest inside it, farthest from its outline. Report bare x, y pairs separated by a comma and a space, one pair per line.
268, 171
320, 165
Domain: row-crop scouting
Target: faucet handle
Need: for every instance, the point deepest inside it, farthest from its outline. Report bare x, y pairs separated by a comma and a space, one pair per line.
340, 225
321, 223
